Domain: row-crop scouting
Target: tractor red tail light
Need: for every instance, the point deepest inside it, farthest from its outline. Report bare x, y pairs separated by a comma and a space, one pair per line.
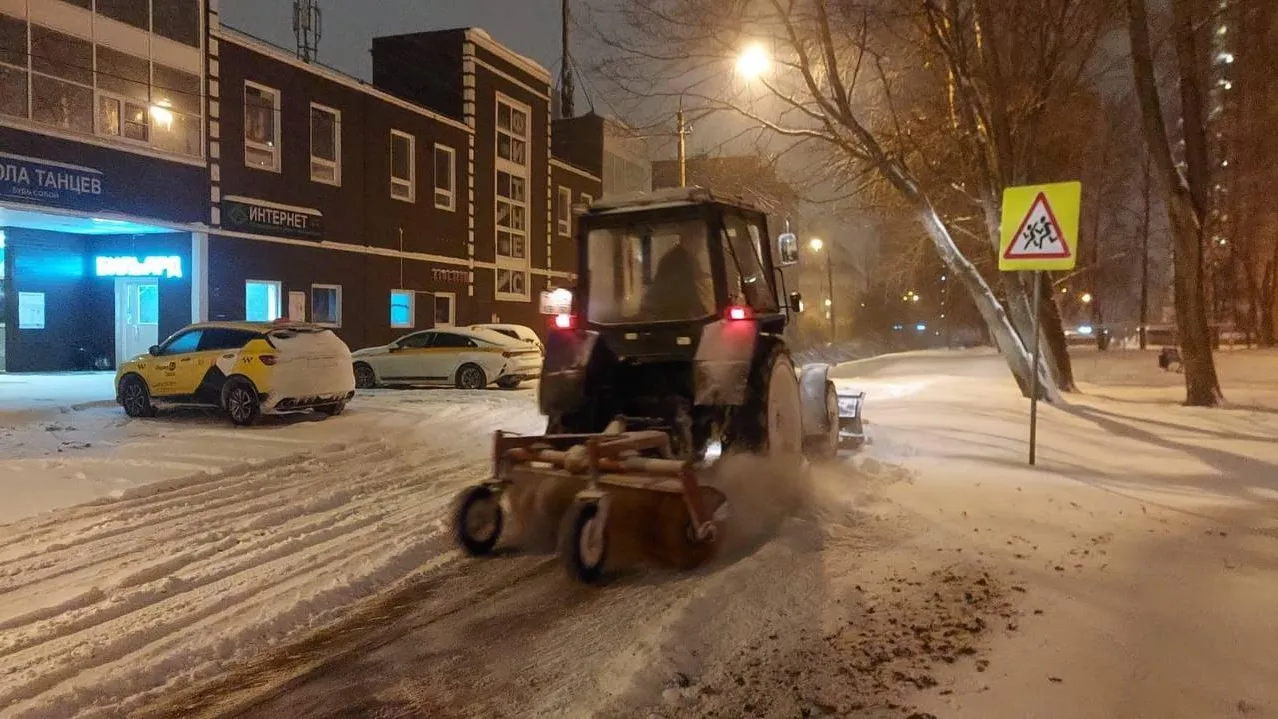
738, 312
564, 321
268, 360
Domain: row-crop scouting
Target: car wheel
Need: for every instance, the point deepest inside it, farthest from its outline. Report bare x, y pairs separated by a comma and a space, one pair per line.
365, 377
135, 397
508, 382
241, 402
471, 376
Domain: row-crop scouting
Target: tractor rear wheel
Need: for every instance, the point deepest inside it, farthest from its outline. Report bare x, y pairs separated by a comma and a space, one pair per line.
771, 421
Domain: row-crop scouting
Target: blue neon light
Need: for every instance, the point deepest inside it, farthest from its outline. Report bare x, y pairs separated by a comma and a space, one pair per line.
168, 266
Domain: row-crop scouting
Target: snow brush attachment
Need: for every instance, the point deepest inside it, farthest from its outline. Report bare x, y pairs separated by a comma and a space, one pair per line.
614, 498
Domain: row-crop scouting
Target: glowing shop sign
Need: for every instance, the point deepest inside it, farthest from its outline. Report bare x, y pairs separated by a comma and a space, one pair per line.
133, 267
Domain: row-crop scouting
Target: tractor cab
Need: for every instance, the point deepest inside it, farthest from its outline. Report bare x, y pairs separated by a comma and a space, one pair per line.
657, 267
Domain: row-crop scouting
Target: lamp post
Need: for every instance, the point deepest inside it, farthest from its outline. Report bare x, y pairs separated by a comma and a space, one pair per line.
751, 63
816, 245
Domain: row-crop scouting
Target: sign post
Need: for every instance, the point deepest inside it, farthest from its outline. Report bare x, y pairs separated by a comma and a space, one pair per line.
1045, 238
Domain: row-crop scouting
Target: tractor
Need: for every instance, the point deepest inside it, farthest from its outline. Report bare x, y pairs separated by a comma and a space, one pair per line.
673, 353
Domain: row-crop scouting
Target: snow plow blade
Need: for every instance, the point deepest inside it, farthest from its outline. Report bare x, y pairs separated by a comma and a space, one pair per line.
618, 497
851, 428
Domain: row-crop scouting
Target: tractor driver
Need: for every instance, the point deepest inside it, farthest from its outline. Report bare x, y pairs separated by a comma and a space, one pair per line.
675, 290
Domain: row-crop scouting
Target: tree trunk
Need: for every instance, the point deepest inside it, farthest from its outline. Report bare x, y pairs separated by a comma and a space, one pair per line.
1056, 347
1009, 343
1269, 305
1202, 388
1018, 305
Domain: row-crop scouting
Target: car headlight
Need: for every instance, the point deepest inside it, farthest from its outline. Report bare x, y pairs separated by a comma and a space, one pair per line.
847, 406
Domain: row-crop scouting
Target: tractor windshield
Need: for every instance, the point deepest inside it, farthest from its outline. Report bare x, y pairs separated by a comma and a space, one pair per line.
650, 272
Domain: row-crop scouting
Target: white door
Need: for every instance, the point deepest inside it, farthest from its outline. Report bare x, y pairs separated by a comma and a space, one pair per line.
137, 317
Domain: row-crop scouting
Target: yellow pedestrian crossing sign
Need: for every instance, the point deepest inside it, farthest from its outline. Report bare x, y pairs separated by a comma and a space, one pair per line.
1040, 227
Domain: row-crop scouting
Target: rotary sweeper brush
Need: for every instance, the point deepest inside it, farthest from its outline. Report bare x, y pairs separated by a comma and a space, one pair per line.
673, 345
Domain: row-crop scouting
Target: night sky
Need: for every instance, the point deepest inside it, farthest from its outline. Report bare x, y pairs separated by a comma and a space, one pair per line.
529, 27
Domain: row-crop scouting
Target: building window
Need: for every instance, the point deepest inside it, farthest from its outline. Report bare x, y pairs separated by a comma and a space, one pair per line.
512, 177
177, 20
13, 67
326, 145
131, 12
61, 80
326, 305
445, 309
564, 209
512, 284
262, 301
403, 312
176, 112
445, 177
261, 126
403, 170
68, 83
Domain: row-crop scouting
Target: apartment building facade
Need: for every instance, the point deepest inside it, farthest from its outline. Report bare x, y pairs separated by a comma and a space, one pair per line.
157, 168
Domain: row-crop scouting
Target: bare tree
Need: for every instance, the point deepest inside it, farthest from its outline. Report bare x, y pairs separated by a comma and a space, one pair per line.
1187, 191
940, 103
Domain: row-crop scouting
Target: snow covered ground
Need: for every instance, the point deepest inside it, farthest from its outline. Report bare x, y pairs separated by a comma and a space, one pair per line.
300, 569
206, 541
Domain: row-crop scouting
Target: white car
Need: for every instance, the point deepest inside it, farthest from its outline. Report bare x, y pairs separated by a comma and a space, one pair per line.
519, 332
457, 357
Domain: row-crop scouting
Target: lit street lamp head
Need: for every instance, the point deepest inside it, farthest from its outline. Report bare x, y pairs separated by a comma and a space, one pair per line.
753, 62
816, 244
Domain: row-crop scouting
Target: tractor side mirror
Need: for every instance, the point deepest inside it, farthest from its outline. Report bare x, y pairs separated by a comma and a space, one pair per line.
796, 302
787, 249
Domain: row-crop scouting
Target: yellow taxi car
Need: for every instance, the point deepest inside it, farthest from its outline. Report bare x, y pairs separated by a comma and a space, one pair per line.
245, 368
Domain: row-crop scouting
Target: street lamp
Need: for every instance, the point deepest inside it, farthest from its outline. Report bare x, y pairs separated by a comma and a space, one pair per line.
816, 245
751, 63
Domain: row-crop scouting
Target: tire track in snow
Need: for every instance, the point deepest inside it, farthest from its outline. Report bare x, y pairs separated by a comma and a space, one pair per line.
258, 581
151, 496
133, 531
277, 532
322, 531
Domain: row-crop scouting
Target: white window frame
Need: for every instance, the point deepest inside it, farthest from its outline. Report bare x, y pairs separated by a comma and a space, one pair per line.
412, 309
279, 298
314, 287
99, 96
275, 151
587, 198
524, 172
448, 195
336, 164
411, 182
452, 308
564, 208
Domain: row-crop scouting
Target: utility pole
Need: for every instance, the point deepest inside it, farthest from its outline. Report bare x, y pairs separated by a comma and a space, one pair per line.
566, 91
682, 131
829, 279
1144, 262
308, 25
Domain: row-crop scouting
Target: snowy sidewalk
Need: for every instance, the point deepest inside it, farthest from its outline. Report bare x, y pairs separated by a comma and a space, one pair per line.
28, 397
1146, 539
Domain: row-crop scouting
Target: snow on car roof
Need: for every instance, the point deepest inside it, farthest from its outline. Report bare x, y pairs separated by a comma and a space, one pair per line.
488, 335
255, 326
